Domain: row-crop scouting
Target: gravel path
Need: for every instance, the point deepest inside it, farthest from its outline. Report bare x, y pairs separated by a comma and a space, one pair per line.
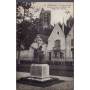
67, 85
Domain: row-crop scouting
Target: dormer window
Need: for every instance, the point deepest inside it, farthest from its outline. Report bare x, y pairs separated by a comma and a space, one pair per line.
58, 33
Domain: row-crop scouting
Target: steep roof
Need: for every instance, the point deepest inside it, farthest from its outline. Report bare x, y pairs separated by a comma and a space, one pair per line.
71, 32
56, 33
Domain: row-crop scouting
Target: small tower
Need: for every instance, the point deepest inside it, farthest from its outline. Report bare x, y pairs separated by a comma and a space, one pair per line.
45, 17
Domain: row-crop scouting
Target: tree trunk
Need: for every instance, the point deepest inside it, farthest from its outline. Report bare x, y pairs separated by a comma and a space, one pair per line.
19, 57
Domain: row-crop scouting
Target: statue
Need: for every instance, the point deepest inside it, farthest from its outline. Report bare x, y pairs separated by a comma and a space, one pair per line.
39, 48
40, 55
39, 70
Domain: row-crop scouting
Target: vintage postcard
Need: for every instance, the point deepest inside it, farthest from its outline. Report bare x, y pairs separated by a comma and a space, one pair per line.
45, 45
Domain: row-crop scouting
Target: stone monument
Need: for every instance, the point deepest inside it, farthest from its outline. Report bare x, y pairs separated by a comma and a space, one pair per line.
40, 71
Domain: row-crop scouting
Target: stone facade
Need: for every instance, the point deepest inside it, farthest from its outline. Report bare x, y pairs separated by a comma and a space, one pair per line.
56, 42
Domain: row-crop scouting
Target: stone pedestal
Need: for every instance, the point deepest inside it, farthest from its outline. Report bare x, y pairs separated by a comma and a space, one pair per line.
40, 72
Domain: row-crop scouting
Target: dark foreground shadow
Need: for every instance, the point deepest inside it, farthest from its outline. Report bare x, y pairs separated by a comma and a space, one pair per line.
38, 83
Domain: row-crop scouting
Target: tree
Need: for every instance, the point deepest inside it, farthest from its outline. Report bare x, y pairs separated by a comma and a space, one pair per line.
68, 26
26, 33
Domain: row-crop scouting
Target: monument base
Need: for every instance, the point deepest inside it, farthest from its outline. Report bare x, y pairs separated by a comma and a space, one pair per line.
39, 76
39, 72
40, 82
39, 79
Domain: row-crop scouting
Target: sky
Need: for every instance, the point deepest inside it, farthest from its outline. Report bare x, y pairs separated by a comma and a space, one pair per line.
60, 11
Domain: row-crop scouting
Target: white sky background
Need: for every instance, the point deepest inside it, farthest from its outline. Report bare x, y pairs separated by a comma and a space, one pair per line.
60, 11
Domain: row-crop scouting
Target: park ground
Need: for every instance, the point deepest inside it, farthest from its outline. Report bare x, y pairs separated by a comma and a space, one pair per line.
61, 70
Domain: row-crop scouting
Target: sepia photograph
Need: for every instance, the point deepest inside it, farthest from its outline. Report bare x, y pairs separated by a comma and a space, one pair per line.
44, 45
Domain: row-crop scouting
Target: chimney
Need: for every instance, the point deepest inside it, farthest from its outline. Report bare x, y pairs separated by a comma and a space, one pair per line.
63, 25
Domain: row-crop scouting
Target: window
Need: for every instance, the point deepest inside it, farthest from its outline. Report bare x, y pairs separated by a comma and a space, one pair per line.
57, 43
72, 42
58, 33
